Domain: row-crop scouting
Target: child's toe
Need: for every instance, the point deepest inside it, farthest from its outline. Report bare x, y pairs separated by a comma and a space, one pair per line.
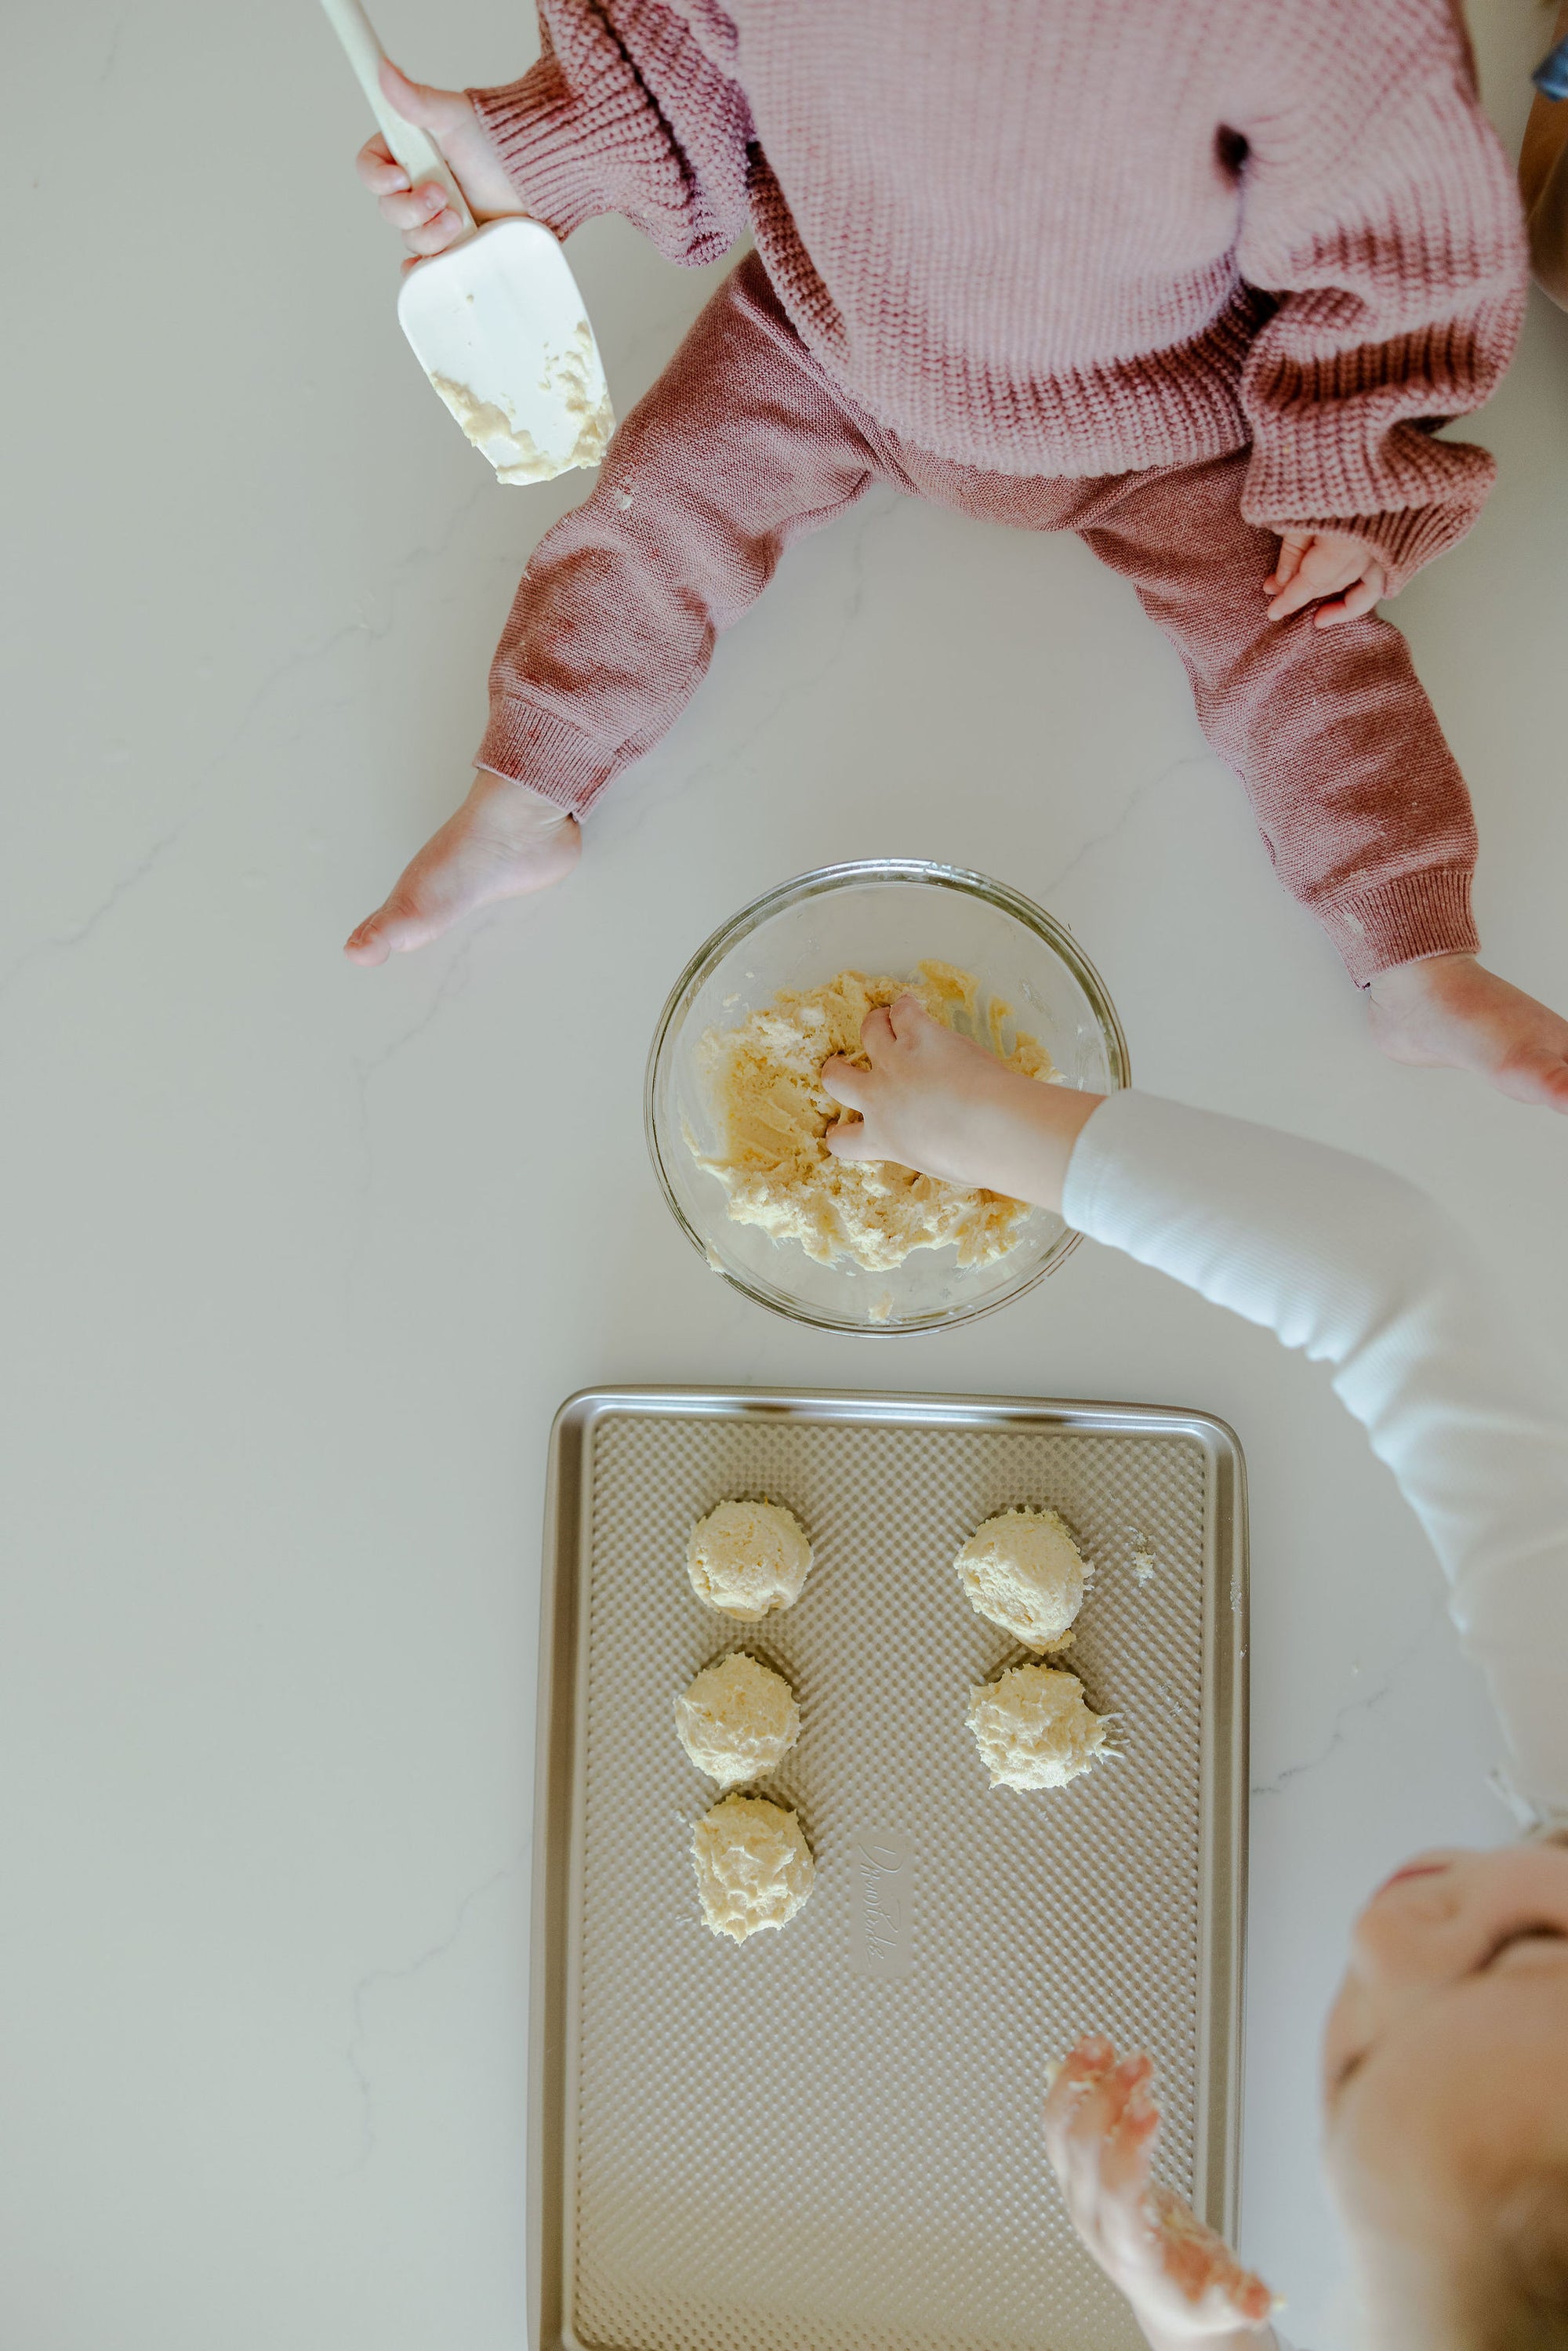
1535, 1075
366, 945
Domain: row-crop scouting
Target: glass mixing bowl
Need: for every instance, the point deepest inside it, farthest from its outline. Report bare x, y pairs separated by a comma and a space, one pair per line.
883, 916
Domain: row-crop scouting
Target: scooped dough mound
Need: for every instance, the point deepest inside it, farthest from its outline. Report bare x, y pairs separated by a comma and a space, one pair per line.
737, 1721
748, 1557
1033, 1728
1023, 1571
763, 1082
754, 1868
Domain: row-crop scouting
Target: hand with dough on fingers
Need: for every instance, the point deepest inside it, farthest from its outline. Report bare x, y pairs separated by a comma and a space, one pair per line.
932, 1100
1186, 2285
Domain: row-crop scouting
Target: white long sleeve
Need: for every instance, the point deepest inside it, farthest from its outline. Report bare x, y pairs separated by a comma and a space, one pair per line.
1358, 1269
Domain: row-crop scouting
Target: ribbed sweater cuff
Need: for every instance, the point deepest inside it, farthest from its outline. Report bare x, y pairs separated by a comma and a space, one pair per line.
1411, 500
532, 746
1415, 914
538, 132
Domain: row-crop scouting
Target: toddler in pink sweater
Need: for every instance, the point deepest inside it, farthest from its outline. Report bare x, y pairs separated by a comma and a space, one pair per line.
1197, 282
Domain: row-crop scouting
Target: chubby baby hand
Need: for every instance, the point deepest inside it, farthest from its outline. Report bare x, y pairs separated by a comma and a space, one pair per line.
1101, 2125
935, 1101
1331, 569
422, 214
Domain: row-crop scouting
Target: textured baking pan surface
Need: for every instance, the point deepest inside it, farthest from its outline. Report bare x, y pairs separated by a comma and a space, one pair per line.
827, 2138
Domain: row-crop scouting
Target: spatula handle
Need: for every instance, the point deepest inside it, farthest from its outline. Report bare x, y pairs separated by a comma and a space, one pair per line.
415, 149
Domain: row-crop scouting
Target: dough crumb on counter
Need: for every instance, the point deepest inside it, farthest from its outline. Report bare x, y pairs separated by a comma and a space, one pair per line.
764, 1083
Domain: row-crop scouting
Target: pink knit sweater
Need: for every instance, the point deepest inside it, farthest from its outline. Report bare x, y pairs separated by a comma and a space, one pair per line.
1079, 236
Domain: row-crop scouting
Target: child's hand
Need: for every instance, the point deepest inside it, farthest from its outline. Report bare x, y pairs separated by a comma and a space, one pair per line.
423, 216
935, 1101
1330, 565
1182, 2279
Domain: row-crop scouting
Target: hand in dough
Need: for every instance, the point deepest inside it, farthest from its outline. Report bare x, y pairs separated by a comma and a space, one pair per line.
1100, 2124
937, 1102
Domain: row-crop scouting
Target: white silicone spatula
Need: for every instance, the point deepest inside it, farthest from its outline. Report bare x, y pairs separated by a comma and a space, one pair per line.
497, 321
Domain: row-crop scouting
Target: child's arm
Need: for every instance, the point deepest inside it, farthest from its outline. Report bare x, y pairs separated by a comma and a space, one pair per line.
1186, 2285
624, 116
1379, 211
1543, 175
1339, 1259
626, 112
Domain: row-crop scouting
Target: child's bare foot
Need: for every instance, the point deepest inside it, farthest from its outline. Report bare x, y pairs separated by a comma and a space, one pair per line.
1448, 1012
505, 840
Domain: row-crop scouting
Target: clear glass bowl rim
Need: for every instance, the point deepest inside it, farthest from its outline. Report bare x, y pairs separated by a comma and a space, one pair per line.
818, 883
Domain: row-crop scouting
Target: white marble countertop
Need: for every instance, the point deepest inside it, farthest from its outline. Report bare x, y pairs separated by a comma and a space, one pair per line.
304, 1258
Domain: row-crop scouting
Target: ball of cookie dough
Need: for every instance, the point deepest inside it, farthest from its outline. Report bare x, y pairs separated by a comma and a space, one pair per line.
737, 1721
748, 1558
1023, 1571
754, 1868
1033, 1728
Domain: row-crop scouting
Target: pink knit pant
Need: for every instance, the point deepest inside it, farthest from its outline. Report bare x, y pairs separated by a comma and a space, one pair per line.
745, 444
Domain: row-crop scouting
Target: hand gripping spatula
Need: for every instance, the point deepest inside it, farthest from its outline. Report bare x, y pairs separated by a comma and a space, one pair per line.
497, 321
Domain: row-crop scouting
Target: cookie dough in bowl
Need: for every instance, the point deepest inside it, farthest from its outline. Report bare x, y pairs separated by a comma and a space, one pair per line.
753, 1865
747, 1559
1022, 1571
764, 1080
737, 1116
1034, 1730
737, 1721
